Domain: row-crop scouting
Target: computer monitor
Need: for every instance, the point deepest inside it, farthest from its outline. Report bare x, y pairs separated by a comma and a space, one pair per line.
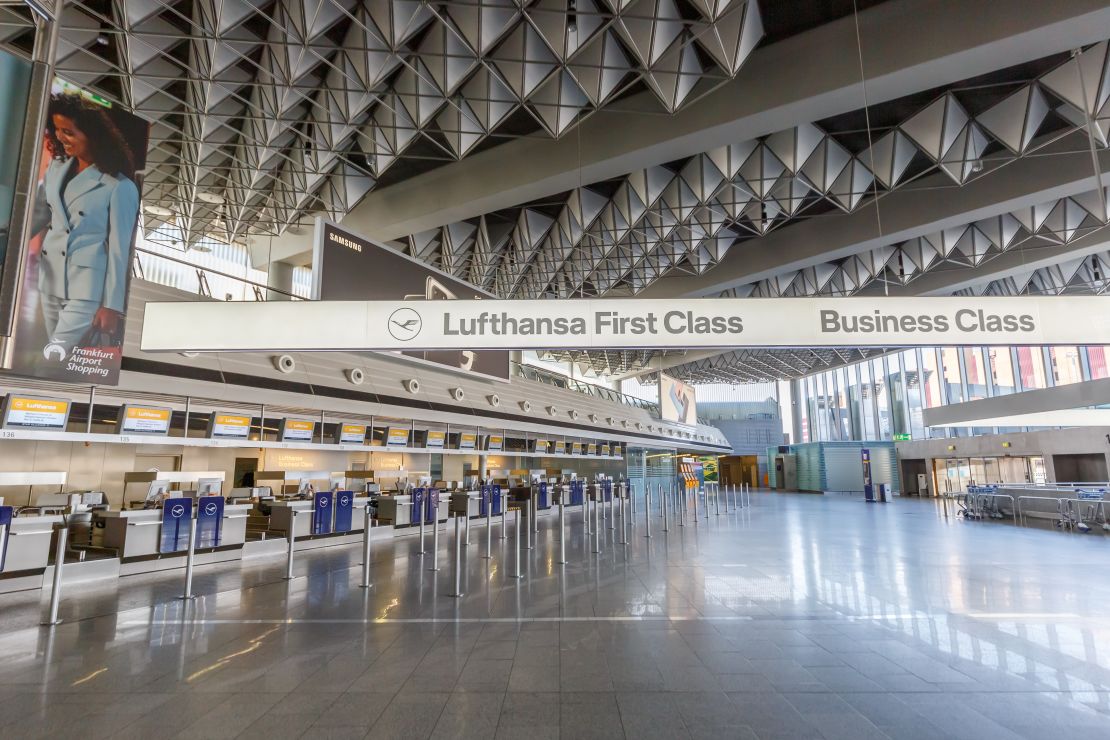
157, 490
209, 486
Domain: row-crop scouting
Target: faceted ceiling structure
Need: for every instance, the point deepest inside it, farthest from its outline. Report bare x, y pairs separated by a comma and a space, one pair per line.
265, 111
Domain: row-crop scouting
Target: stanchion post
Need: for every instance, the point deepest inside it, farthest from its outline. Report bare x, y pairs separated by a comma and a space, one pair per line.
366, 546
612, 511
533, 513
527, 525
516, 547
597, 527
190, 553
624, 520
562, 533
466, 521
56, 587
663, 495
435, 535
647, 510
423, 516
489, 526
458, 557
717, 498
291, 537
504, 515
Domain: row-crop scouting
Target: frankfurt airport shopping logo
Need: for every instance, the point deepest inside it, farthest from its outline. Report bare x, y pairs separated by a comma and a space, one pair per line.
404, 324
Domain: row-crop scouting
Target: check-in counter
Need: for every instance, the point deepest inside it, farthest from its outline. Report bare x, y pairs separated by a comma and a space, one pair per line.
282, 516
28, 543
468, 502
138, 532
397, 510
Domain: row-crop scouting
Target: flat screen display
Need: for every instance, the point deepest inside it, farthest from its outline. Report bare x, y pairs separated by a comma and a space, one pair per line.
397, 437
134, 419
560, 448
36, 412
676, 401
436, 440
542, 446
576, 448
467, 441
354, 434
591, 449
297, 430
223, 425
495, 443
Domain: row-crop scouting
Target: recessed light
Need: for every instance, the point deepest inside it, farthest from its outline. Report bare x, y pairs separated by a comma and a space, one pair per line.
156, 210
211, 198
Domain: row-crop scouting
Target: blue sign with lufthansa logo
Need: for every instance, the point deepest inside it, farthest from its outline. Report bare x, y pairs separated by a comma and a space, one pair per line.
210, 518
344, 506
324, 503
176, 514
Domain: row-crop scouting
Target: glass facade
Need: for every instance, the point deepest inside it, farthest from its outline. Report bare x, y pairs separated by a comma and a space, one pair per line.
884, 397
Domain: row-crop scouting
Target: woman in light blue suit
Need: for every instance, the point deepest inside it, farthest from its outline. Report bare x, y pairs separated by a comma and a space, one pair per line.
88, 206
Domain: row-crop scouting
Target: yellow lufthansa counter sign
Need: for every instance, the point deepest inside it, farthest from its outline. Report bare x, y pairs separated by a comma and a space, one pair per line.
146, 420
231, 426
37, 413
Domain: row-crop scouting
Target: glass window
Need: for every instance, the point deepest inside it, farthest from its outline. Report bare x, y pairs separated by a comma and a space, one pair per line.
1098, 360
1066, 367
855, 401
1002, 370
803, 404
882, 397
844, 424
897, 386
975, 374
950, 371
913, 393
931, 378
867, 407
1031, 368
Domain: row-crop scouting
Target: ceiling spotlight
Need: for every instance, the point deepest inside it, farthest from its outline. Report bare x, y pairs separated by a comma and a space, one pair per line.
211, 198
156, 210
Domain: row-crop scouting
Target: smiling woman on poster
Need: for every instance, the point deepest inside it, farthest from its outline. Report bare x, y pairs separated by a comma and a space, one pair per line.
88, 206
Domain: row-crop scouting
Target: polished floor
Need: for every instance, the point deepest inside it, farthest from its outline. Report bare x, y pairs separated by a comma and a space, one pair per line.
800, 617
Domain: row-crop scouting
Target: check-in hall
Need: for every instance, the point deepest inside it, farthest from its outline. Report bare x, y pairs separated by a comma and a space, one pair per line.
554, 369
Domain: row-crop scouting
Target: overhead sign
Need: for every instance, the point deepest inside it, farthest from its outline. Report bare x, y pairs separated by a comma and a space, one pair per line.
560, 448
576, 448
251, 326
144, 420
605, 450
542, 446
349, 267
297, 430
351, 434
466, 441
229, 426
435, 440
591, 449
495, 443
397, 437
32, 412
677, 401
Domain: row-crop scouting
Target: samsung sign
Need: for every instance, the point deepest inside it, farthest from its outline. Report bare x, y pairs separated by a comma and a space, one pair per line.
624, 323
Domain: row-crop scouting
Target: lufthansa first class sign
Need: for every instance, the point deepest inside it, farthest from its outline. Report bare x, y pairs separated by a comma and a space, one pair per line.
623, 323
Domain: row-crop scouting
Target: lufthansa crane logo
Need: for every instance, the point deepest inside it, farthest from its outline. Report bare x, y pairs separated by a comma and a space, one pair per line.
404, 324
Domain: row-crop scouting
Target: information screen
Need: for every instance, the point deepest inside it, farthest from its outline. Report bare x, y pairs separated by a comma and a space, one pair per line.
605, 450
560, 448
542, 446
222, 425
495, 443
43, 414
397, 437
436, 440
466, 441
591, 448
144, 420
297, 430
677, 401
352, 434
576, 448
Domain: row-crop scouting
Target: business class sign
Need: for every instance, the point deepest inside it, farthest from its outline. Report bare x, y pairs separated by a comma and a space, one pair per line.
624, 323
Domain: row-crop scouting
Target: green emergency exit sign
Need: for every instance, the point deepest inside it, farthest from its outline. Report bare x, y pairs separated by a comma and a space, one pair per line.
901, 438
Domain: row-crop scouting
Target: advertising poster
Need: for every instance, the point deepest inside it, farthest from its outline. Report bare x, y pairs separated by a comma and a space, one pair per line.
495, 443
466, 441
352, 434
210, 517
344, 507
397, 437
297, 430
42, 414
436, 440
229, 426
676, 401
349, 267
143, 420
176, 514
15, 89
69, 324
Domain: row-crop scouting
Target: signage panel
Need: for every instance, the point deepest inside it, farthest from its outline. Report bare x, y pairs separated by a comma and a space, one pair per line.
902, 438
350, 267
591, 449
352, 434
542, 446
467, 441
344, 508
176, 514
576, 448
297, 430
677, 401
223, 425
605, 450
210, 518
6, 513
435, 440
495, 443
560, 448
620, 323
36, 412
144, 420
397, 437
617, 450
323, 503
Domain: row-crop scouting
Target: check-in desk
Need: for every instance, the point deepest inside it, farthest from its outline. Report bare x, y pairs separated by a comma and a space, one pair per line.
397, 510
138, 532
466, 502
28, 543
282, 516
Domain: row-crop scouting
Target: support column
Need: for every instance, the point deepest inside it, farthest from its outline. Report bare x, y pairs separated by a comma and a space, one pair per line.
279, 277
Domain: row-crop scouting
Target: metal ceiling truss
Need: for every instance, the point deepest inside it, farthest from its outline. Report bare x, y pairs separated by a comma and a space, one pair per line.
1087, 275
619, 237
267, 111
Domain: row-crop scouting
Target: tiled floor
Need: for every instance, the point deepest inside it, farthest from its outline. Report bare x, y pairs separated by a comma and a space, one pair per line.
801, 617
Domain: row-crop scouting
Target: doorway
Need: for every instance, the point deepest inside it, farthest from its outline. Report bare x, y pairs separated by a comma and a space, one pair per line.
1081, 468
955, 474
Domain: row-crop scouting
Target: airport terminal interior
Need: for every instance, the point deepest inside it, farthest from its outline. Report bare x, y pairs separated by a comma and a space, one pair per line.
554, 369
